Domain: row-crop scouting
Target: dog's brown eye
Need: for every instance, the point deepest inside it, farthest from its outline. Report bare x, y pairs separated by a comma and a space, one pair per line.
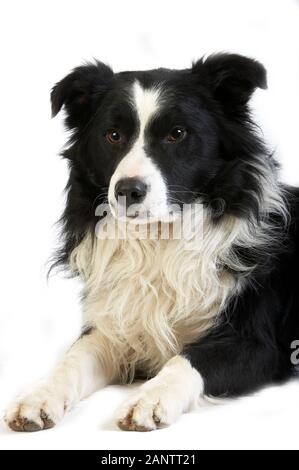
114, 136
177, 134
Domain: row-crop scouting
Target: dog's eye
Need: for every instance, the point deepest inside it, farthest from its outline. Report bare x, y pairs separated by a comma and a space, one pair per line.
114, 136
177, 134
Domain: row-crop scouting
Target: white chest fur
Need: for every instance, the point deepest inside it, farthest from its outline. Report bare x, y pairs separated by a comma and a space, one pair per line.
150, 297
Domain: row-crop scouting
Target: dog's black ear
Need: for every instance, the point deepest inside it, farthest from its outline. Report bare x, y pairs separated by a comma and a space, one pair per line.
79, 90
232, 78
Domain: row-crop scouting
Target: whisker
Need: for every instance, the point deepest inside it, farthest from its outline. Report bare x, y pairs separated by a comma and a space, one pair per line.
103, 196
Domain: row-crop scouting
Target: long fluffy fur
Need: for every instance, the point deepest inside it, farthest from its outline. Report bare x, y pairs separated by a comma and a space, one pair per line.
147, 312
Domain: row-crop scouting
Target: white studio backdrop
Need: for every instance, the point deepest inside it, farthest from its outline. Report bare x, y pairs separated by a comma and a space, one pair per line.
40, 43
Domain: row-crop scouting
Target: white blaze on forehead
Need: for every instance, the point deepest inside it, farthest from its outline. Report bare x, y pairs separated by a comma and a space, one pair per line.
146, 102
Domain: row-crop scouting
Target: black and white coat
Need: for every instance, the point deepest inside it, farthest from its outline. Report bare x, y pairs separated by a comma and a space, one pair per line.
209, 315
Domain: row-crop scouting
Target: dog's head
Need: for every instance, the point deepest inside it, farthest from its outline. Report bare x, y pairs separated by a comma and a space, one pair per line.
148, 140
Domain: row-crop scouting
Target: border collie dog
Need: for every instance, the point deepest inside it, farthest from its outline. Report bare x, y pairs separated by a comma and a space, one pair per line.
186, 243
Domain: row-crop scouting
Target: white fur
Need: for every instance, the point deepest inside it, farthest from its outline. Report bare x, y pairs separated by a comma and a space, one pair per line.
81, 372
137, 164
149, 298
160, 401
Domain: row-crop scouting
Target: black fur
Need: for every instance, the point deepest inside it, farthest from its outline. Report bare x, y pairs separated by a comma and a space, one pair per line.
251, 347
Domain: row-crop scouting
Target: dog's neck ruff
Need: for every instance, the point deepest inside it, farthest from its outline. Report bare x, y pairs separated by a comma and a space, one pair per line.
151, 297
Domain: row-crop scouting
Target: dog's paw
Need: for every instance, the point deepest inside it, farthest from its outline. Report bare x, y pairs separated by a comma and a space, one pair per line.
160, 401
151, 408
35, 412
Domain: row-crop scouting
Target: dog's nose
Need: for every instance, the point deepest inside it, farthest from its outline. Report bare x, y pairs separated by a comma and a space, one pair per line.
132, 189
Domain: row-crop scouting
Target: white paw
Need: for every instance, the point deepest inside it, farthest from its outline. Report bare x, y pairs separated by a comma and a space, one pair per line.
160, 401
153, 407
35, 411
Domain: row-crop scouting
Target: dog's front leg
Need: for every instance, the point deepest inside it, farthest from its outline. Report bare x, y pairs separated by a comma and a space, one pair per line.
161, 400
77, 375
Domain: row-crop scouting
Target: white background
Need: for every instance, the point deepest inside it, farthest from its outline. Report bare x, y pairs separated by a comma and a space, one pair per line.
40, 42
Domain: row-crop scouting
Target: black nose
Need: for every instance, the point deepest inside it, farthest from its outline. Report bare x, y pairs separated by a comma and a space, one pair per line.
133, 189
